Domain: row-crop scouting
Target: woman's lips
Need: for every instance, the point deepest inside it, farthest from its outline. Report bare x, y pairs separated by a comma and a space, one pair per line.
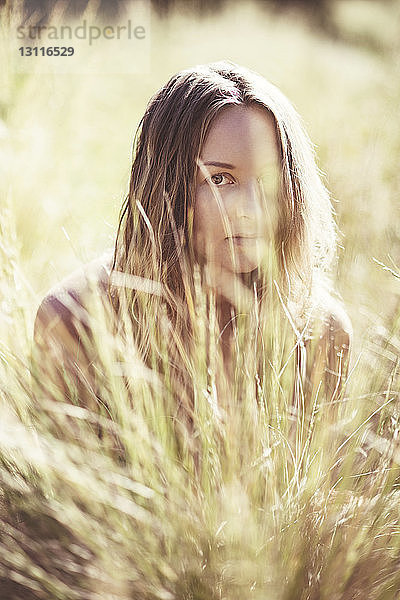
241, 240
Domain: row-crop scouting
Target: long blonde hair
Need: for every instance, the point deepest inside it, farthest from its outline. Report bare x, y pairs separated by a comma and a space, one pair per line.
154, 241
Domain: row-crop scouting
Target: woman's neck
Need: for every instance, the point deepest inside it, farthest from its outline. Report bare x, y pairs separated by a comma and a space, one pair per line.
226, 319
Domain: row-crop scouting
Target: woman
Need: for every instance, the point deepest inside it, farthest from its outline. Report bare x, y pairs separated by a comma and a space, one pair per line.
225, 203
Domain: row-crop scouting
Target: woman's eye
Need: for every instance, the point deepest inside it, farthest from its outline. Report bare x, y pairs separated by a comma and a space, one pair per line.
219, 179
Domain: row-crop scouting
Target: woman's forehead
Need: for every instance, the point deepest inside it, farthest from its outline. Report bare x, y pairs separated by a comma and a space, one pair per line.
242, 136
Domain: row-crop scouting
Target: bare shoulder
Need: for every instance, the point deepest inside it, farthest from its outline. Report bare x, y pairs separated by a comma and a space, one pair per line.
329, 356
337, 330
63, 351
62, 314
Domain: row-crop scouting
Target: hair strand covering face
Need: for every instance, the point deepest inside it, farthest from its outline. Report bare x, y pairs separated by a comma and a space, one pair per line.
154, 240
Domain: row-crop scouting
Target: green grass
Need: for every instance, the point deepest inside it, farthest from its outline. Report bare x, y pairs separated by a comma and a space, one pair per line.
256, 502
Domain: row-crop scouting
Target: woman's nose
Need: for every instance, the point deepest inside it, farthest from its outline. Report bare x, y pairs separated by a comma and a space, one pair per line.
248, 201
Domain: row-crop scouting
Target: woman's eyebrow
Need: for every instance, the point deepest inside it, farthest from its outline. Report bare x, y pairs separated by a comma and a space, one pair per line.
219, 164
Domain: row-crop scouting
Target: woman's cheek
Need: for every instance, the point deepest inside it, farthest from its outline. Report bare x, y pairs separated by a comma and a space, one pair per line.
201, 220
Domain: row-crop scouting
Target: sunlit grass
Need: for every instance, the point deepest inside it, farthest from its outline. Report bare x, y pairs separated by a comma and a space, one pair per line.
258, 500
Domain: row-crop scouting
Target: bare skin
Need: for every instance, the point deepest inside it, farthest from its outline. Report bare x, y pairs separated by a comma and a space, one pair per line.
236, 193
234, 215
60, 331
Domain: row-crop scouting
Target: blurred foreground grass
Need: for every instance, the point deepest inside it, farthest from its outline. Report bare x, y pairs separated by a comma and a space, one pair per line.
318, 518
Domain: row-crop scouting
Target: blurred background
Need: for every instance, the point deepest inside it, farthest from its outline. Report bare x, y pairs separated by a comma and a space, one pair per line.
66, 138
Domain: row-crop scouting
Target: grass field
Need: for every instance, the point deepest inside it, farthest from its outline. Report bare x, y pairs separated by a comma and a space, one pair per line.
265, 519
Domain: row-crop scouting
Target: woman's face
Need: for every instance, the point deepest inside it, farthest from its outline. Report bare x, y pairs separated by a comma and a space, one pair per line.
236, 190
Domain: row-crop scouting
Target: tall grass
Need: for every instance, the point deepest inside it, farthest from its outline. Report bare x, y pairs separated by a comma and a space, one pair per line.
256, 496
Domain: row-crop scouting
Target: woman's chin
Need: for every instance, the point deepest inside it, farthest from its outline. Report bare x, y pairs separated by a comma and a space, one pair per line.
243, 266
